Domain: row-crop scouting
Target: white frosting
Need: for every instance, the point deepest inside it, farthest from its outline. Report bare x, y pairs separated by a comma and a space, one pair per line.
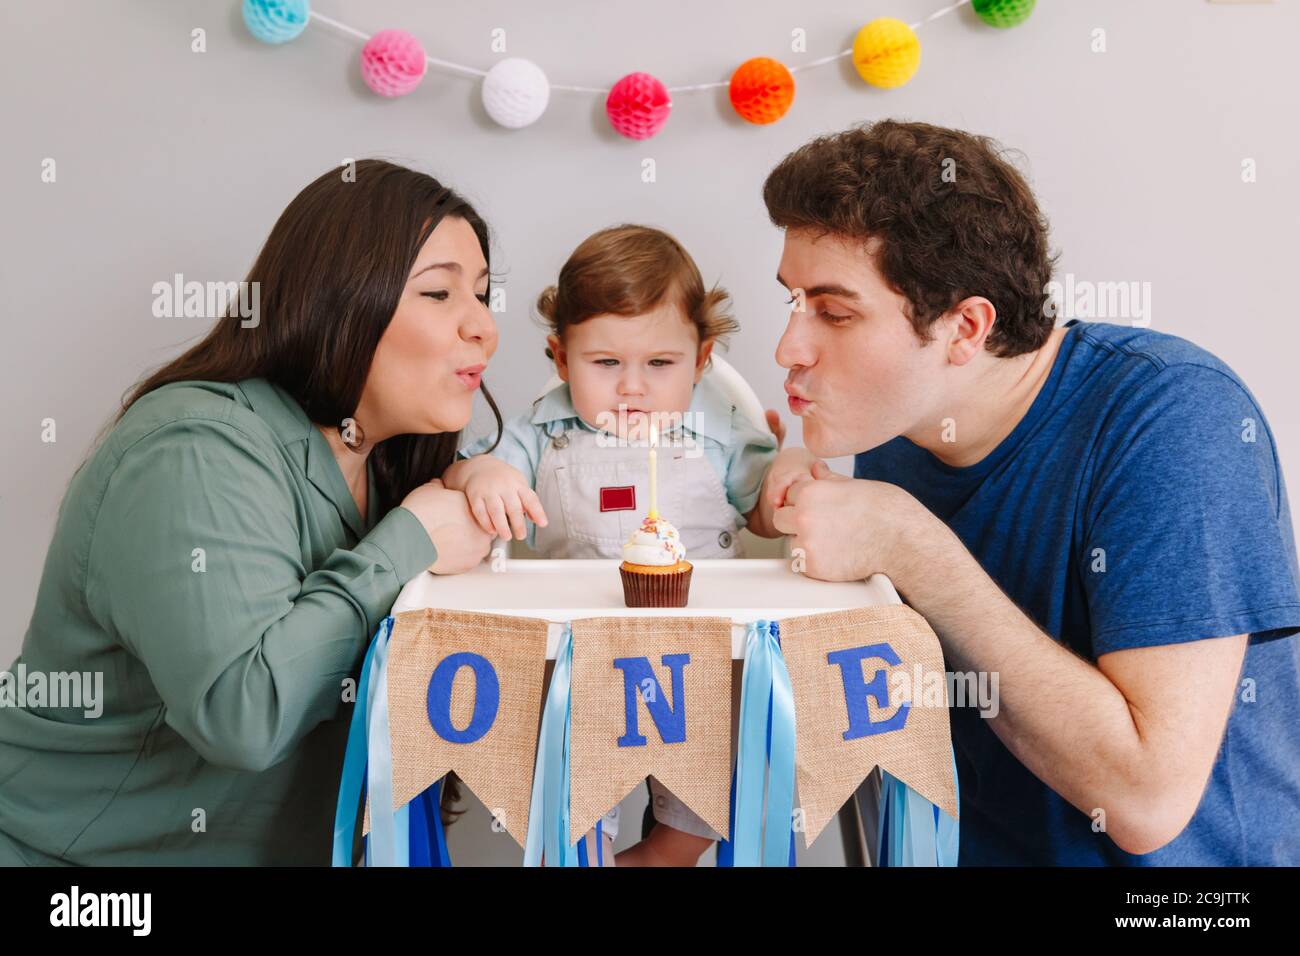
655, 542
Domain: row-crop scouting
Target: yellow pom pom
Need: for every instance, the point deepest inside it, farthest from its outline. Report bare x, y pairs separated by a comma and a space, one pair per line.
886, 52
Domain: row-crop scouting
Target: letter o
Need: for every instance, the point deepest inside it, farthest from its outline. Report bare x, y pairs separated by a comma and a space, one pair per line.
487, 697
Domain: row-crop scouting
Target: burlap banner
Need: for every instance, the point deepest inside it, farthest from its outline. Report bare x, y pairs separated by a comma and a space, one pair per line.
650, 696
848, 719
465, 694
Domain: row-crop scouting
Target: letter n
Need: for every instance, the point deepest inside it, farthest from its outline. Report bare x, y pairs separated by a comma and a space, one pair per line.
669, 719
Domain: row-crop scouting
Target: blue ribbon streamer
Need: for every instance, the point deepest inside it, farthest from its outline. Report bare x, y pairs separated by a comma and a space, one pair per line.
751, 759
428, 839
354, 758
388, 843
726, 848
948, 837
761, 832
548, 811
913, 831
413, 834
433, 802
779, 851
421, 853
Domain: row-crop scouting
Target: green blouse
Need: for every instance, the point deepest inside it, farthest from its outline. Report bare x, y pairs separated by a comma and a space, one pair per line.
211, 564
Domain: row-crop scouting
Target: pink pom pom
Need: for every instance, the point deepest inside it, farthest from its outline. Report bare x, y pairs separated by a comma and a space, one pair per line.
392, 63
638, 106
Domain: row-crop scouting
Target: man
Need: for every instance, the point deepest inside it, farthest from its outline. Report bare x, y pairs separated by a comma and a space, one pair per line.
1094, 512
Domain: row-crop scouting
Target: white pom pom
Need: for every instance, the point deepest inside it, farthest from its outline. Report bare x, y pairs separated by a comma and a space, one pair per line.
515, 92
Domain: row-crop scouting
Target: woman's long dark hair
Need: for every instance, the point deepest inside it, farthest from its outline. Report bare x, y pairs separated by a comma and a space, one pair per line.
330, 276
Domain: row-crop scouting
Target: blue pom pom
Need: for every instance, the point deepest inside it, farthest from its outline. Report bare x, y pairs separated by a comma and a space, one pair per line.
276, 21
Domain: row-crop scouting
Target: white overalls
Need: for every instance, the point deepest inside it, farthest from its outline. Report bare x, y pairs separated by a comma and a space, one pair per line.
577, 475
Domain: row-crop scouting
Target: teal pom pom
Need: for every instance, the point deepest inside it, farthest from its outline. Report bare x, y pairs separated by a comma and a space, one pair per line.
1003, 13
276, 21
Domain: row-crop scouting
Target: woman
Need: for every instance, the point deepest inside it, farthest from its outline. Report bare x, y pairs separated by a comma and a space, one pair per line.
225, 554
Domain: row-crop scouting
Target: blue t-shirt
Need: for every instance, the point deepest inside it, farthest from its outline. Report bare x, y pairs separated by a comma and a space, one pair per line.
1138, 502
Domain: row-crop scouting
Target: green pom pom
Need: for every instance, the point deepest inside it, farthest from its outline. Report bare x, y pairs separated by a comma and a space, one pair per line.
1003, 13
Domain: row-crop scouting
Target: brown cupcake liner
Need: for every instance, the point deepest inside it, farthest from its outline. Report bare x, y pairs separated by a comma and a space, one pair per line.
656, 590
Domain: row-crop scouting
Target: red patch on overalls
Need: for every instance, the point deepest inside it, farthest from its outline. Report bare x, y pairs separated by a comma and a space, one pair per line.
618, 498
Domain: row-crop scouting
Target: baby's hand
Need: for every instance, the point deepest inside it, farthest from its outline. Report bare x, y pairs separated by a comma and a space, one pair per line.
790, 466
777, 426
499, 497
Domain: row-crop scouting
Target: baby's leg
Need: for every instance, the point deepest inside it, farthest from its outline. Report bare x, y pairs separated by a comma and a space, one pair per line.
604, 856
680, 837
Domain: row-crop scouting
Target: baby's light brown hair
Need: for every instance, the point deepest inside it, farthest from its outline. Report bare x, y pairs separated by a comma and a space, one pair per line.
630, 270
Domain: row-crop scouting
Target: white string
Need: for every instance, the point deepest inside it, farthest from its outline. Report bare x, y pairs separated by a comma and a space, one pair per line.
602, 91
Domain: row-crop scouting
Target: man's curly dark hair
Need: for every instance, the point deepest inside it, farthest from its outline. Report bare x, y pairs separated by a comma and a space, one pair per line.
954, 219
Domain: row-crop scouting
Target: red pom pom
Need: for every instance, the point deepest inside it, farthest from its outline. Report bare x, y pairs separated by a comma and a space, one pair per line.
638, 106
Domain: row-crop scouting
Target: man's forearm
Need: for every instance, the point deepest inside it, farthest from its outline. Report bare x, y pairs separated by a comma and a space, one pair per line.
1057, 713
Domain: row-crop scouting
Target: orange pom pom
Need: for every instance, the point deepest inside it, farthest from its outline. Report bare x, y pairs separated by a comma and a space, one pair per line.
762, 89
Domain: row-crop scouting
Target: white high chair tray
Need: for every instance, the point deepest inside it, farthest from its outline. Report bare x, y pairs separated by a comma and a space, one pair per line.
743, 589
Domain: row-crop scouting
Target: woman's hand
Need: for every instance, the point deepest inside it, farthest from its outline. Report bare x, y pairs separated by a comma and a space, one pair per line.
499, 496
446, 517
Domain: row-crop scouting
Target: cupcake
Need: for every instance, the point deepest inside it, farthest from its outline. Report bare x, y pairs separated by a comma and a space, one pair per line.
654, 570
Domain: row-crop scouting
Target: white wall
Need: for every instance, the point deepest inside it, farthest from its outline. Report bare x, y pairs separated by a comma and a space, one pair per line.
170, 161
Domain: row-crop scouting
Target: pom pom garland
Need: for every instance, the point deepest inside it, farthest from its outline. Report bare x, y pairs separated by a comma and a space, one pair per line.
761, 90
1003, 13
515, 92
392, 63
276, 21
638, 106
886, 52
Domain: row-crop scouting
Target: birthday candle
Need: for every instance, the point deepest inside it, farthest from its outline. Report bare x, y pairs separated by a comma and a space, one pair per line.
654, 437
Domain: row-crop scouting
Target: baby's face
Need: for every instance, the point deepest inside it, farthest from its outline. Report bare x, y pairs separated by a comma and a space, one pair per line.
643, 363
